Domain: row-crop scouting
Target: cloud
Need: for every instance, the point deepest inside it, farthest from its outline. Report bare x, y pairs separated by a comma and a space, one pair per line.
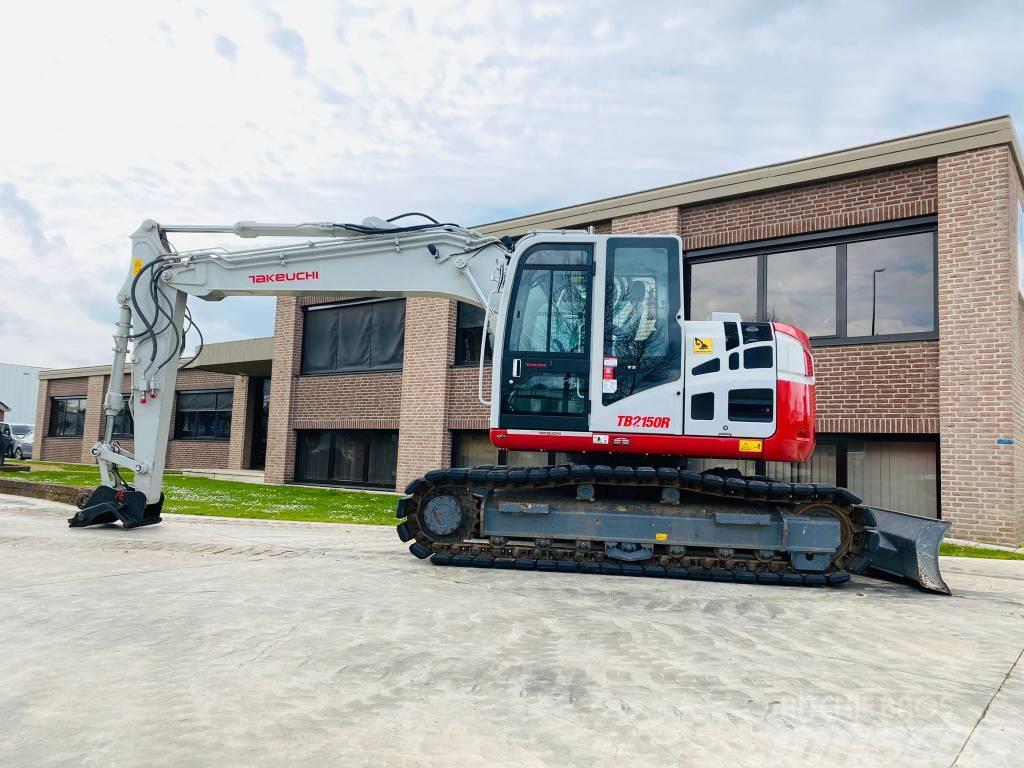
469, 110
289, 42
225, 47
23, 218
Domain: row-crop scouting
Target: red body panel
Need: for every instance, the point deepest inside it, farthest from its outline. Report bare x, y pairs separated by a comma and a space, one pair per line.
793, 439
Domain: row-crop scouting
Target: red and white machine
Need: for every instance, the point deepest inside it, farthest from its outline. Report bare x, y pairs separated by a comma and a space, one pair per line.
593, 358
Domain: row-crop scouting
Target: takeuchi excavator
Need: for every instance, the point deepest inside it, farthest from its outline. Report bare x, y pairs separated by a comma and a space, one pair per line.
592, 358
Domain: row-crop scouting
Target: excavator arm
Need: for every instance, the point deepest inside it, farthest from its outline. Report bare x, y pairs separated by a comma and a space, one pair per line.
375, 258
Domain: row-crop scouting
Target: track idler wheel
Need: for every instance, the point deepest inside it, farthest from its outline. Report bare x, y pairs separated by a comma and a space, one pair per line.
446, 514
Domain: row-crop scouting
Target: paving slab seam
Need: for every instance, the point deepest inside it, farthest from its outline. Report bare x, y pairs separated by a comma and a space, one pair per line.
984, 712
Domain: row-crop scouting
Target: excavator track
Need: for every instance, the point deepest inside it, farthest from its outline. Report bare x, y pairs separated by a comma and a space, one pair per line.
442, 516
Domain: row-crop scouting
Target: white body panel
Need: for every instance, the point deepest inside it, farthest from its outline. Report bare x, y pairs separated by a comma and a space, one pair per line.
704, 341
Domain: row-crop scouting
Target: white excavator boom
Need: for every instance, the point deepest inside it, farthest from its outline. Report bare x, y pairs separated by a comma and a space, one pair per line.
375, 258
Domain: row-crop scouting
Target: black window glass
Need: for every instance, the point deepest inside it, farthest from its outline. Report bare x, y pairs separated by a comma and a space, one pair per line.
347, 457
203, 415
67, 416
728, 285
124, 424
469, 327
641, 333
550, 312
801, 289
848, 291
711, 366
552, 394
354, 327
320, 342
757, 357
362, 336
751, 405
891, 285
732, 336
734, 361
702, 406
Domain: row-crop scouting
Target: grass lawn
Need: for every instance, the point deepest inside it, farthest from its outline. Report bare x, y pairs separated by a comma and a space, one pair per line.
224, 498
959, 550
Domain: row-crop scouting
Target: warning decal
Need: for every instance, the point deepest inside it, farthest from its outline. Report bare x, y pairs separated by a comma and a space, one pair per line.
702, 346
136, 266
750, 446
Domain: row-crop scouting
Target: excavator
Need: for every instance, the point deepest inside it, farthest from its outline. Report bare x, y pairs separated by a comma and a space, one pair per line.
593, 358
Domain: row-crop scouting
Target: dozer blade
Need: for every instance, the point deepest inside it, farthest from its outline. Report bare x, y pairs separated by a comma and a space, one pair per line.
909, 548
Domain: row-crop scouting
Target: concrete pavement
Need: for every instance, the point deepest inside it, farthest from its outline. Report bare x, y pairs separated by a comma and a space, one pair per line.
229, 642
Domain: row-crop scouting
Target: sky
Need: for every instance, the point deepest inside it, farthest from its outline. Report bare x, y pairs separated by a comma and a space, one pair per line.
471, 111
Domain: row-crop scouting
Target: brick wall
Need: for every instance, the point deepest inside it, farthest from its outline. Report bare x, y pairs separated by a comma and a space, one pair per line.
663, 221
348, 401
885, 388
465, 411
977, 313
866, 199
241, 425
1017, 199
280, 466
424, 442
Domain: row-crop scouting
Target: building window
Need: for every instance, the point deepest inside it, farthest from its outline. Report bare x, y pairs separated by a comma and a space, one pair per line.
347, 457
124, 424
469, 328
471, 448
723, 285
866, 284
886, 472
355, 336
67, 416
204, 415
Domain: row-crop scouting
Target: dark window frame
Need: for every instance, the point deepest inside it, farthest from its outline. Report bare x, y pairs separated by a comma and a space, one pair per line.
178, 413
461, 359
55, 428
839, 238
341, 305
367, 454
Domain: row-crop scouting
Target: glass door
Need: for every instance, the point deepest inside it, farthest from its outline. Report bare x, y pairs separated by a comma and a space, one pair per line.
546, 359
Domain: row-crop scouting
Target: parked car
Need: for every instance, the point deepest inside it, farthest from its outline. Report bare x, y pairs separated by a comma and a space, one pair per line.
23, 446
15, 434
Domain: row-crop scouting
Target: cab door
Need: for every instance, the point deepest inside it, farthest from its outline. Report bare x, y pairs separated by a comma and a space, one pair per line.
545, 361
638, 386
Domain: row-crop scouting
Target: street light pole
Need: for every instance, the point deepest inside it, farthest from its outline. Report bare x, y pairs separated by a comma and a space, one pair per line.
874, 295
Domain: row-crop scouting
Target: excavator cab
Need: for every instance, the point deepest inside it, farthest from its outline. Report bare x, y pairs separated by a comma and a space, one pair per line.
597, 356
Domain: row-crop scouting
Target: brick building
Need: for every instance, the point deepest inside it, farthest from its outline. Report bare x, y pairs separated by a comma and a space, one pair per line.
902, 259
209, 429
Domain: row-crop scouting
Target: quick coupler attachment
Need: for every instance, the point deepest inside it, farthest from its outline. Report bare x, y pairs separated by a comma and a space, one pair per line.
909, 548
109, 505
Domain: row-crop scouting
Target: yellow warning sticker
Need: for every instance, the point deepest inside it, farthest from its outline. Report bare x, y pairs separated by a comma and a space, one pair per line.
661, 536
751, 446
136, 266
702, 346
